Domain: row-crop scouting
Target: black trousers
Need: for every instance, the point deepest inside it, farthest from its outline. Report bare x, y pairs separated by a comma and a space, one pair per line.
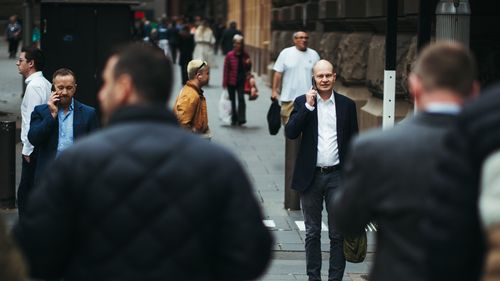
184, 73
13, 45
239, 113
26, 184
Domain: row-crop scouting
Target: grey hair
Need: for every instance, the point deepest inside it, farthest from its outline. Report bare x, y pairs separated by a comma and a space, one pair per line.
296, 33
237, 38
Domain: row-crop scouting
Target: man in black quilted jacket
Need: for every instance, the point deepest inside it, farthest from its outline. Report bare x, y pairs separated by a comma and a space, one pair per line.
143, 199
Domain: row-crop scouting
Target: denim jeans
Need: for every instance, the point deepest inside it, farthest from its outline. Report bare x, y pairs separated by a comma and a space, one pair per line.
322, 189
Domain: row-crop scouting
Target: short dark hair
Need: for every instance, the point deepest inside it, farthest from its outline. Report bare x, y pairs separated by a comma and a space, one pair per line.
149, 69
447, 65
36, 55
63, 72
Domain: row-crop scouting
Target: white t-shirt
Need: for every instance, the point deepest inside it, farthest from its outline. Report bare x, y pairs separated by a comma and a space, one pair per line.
296, 67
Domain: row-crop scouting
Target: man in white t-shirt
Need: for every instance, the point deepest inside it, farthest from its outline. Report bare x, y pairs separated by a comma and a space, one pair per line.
292, 78
30, 65
293, 73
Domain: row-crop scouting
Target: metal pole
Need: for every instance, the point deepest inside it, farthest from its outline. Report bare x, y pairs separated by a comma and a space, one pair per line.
28, 23
7, 164
390, 65
424, 23
292, 197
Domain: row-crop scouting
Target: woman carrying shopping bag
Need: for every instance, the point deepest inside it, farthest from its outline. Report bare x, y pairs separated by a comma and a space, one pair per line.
237, 66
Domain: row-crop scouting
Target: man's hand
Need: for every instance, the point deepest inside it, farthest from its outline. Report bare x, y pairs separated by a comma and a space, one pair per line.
275, 95
27, 158
276, 86
311, 97
53, 102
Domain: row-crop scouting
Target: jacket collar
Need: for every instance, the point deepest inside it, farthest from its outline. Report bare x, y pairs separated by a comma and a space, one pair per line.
189, 84
142, 113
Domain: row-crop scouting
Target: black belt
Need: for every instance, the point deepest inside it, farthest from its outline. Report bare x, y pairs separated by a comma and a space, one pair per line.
328, 169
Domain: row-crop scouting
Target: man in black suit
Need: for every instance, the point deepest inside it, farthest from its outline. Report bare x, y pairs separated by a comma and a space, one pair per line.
327, 121
389, 174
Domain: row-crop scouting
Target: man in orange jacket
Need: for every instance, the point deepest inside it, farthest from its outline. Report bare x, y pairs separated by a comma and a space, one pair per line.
191, 106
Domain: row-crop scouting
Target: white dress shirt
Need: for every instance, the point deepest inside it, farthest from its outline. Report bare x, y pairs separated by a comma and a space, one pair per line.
37, 92
328, 149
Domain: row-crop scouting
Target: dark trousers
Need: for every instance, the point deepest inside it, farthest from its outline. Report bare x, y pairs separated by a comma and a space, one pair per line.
238, 116
26, 184
13, 45
173, 52
322, 189
184, 73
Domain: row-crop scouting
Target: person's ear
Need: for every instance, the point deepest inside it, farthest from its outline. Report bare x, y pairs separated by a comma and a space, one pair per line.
476, 88
415, 86
123, 89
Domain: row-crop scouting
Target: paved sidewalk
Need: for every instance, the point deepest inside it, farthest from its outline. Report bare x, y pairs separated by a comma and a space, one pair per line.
261, 154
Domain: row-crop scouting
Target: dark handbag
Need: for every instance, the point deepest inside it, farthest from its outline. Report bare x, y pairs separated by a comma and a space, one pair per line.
274, 117
355, 248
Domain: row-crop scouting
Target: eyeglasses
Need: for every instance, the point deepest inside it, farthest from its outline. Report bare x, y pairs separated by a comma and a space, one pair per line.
21, 59
302, 37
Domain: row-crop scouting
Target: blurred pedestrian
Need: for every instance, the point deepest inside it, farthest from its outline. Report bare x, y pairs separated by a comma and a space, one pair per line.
204, 40
191, 106
218, 28
388, 173
30, 64
173, 40
292, 76
467, 174
55, 126
163, 37
327, 122
123, 205
237, 65
13, 35
186, 48
226, 40
36, 37
489, 200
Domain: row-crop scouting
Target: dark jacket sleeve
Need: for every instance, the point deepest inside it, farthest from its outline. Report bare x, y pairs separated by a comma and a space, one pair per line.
244, 250
41, 126
45, 233
353, 119
93, 121
298, 119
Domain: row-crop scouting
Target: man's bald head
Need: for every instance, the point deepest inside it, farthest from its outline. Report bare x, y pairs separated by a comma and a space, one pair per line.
324, 65
324, 77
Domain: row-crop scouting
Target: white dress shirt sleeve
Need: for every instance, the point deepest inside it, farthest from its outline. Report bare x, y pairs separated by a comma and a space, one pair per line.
34, 95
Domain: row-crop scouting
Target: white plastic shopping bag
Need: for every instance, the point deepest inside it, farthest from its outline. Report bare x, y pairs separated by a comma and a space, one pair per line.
225, 110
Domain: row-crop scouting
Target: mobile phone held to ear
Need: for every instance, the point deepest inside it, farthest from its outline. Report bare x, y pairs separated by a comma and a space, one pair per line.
313, 82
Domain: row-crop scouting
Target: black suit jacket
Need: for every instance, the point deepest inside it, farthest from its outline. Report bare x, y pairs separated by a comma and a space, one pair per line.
44, 131
305, 122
